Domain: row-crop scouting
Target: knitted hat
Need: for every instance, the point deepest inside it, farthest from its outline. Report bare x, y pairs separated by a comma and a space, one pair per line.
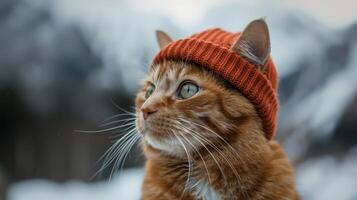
212, 49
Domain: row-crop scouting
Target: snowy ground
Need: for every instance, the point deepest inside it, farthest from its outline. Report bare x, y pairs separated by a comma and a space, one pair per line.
127, 188
324, 178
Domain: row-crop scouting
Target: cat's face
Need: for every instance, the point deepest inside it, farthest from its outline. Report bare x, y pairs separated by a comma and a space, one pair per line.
181, 104
181, 107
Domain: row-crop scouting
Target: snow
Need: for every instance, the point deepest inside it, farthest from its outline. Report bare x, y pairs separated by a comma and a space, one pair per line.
123, 187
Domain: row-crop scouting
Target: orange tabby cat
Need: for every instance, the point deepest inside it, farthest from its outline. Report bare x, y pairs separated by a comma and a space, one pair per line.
202, 138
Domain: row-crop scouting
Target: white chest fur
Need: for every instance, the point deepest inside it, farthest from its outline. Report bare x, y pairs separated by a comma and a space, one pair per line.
203, 190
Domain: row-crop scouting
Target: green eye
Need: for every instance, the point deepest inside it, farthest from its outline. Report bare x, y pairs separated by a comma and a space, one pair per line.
149, 91
187, 90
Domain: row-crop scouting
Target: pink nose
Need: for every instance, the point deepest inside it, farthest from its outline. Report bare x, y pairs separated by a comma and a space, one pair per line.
148, 111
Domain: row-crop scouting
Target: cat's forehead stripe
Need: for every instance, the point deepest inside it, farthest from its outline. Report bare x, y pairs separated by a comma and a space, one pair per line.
162, 70
181, 71
155, 74
167, 76
171, 74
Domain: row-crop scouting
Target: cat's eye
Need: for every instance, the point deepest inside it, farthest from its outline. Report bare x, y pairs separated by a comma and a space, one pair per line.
187, 90
149, 90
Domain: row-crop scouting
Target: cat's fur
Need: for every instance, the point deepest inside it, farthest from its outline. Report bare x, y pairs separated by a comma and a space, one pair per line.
210, 146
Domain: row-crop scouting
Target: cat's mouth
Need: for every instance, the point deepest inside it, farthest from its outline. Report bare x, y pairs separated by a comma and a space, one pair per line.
160, 135
171, 134
158, 126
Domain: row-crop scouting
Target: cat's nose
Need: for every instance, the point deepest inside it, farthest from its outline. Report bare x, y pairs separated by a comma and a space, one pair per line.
147, 111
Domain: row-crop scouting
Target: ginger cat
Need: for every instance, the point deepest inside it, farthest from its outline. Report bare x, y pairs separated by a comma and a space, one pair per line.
202, 137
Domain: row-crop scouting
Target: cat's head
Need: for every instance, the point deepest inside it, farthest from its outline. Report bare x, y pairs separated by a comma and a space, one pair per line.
182, 103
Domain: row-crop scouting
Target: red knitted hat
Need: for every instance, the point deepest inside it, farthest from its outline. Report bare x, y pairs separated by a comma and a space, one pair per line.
211, 49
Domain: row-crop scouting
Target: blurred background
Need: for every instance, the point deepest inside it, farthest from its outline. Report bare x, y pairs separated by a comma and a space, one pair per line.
68, 64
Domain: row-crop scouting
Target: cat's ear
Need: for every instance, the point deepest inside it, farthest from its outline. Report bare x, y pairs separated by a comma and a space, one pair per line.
162, 38
254, 42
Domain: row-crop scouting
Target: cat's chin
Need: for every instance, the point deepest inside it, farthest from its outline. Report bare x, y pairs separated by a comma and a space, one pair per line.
167, 145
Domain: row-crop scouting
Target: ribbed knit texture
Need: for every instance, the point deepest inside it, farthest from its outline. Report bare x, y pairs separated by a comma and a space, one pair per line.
211, 49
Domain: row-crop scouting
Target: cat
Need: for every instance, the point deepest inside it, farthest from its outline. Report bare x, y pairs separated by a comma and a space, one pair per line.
201, 136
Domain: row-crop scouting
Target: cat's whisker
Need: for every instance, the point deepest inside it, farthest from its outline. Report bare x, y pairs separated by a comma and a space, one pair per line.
218, 150
208, 129
114, 150
106, 156
231, 150
121, 157
137, 137
122, 109
203, 160
223, 155
118, 121
199, 154
189, 160
109, 155
122, 140
204, 146
116, 116
104, 130
121, 152
126, 129
216, 134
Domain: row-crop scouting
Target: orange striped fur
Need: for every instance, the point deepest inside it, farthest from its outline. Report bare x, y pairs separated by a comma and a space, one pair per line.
210, 146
